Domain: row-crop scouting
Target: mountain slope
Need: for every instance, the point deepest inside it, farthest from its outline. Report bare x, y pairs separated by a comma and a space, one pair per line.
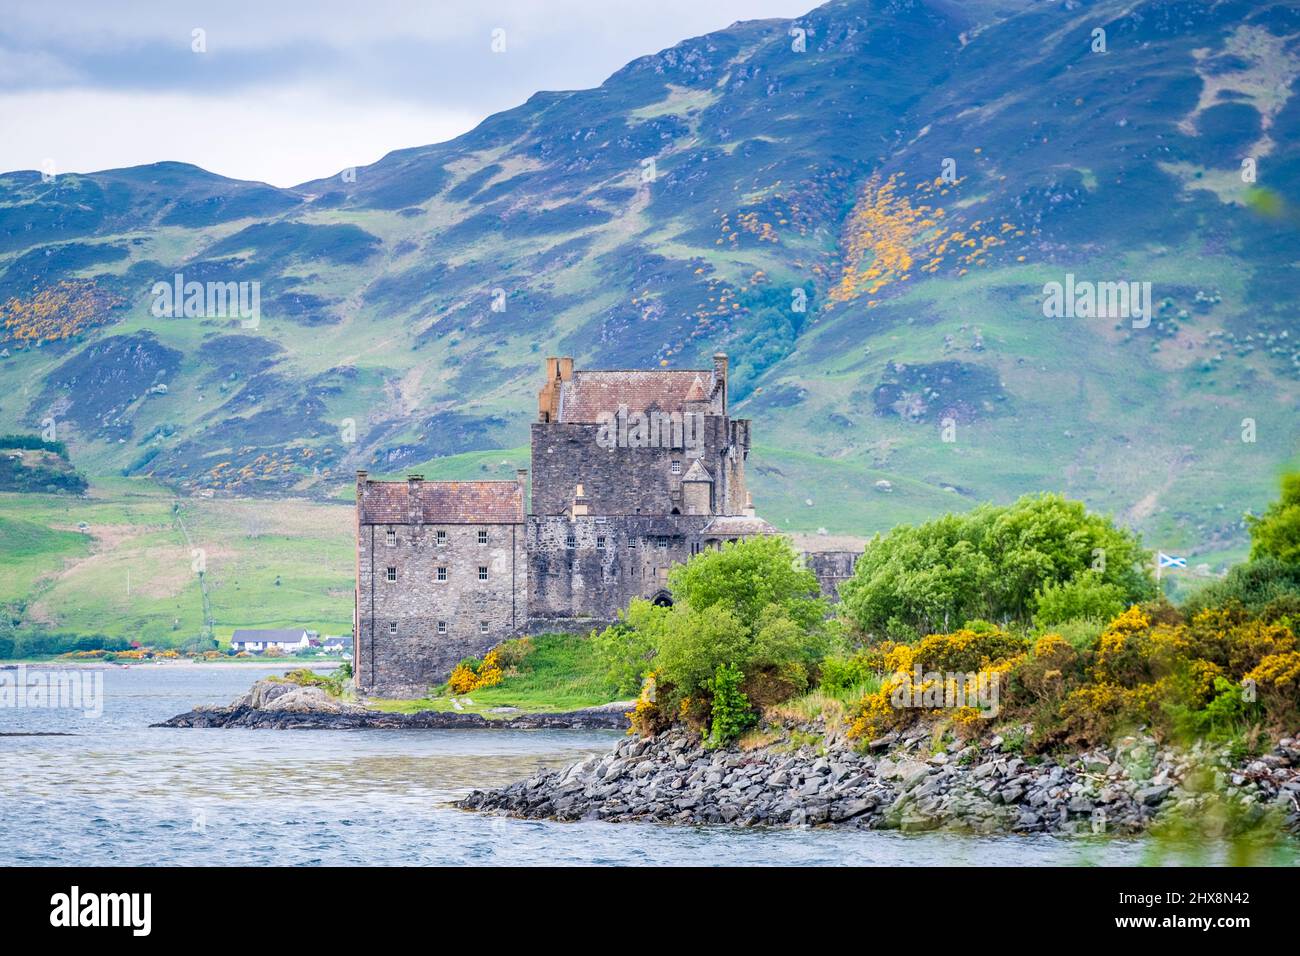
786, 205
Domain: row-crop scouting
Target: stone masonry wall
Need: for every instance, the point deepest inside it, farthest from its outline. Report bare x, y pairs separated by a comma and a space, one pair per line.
599, 581
616, 481
832, 568
408, 660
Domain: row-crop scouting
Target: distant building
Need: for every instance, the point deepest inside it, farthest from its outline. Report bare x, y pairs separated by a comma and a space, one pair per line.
337, 645
290, 640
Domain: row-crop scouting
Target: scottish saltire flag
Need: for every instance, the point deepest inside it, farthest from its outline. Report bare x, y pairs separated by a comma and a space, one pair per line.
1169, 561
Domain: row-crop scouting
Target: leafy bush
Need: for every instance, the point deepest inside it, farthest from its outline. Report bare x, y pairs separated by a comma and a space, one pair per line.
1081, 633
748, 605
1276, 533
730, 710
842, 672
993, 563
471, 675
748, 576
1083, 597
513, 653
1254, 585
48, 644
1150, 668
626, 647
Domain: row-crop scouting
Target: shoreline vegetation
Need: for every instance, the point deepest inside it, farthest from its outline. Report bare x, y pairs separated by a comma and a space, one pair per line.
1091, 699
1013, 669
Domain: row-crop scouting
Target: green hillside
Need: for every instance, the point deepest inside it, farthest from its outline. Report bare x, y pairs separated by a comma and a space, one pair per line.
788, 206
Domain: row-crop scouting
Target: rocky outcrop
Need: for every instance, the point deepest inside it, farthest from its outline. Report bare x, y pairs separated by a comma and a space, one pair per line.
900, 784
249, 717
283, 705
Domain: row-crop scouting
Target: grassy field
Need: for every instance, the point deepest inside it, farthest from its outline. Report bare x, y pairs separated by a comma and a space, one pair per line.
124, 561
561, 673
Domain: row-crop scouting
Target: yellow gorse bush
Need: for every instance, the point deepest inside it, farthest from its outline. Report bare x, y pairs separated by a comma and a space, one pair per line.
57, 312
465, 679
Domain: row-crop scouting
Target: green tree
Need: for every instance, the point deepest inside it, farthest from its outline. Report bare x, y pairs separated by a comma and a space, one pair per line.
625, 648
730, 712
1085, 597
1276, 533
747, 576
991, 563
749, 604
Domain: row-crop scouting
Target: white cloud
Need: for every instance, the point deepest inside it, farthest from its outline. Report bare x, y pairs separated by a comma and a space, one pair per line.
295, 91
283, 137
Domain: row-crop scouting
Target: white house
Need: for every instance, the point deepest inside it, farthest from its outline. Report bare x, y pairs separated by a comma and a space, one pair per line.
289, 640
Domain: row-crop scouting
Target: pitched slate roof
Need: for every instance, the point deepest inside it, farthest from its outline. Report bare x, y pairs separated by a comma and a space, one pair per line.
589, 394
442, 502
736, 525
292, 635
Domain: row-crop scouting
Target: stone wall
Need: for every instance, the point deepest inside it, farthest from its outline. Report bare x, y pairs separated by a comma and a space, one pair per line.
597, 582
477, 614
832, 568
620, 481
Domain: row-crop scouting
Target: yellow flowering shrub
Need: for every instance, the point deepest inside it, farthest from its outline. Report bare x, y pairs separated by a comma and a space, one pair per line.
967, 722
465, 679
1277, 683
875, 713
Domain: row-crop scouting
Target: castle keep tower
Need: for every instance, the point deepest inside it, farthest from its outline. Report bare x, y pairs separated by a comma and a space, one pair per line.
633, 471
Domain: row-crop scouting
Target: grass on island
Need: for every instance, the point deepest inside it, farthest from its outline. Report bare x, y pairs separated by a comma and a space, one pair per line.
560, 672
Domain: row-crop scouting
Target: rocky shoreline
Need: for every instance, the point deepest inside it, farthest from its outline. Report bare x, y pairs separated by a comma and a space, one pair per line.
901, 784
283, 705
247, 717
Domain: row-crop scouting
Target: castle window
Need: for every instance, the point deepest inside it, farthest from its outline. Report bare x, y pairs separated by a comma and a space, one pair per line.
440, 536
571, 541
482, 535
440, 574
661, 542
482, 627
392, 627
390, 537
442, 627
676, 467
482, 572
600, 542
391, 574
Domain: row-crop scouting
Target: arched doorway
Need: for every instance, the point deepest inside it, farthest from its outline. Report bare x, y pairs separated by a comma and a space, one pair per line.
662, 599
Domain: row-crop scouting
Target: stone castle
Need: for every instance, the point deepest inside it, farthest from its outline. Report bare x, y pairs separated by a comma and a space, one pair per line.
633, 471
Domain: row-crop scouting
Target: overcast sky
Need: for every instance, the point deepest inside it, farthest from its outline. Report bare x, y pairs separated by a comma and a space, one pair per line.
292, 90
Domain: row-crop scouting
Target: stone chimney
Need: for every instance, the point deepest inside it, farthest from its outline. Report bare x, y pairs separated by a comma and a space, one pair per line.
580, 503
558, 371
748, 510
415, 499
720, 378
